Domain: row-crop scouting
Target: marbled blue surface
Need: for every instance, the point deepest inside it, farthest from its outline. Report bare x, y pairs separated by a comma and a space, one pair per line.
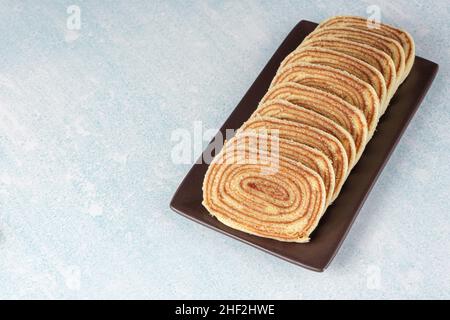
86, 175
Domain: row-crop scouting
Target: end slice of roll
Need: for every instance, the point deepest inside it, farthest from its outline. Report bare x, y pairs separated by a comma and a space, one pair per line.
286, 206
284, 110
337, 82
341, 61
310, 136
401, 36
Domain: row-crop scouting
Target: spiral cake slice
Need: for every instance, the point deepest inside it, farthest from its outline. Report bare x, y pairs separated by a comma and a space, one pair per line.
285, 206
376, 58
284, 110
310, 136
340, 83
401, 36
341, 61
390, 46
328, 105
310, 157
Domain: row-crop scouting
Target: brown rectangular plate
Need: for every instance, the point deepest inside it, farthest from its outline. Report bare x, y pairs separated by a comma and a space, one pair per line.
333, 227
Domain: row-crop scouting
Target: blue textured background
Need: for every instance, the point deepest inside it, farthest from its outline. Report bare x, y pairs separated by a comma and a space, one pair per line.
86, 175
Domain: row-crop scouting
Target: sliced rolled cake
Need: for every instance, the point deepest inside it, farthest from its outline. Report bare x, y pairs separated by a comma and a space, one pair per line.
290, 159
286, 205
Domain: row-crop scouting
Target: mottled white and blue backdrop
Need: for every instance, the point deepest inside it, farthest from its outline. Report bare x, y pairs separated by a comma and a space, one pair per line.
86, 176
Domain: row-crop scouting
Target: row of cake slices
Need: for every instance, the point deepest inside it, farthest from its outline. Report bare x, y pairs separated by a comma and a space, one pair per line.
330, 92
